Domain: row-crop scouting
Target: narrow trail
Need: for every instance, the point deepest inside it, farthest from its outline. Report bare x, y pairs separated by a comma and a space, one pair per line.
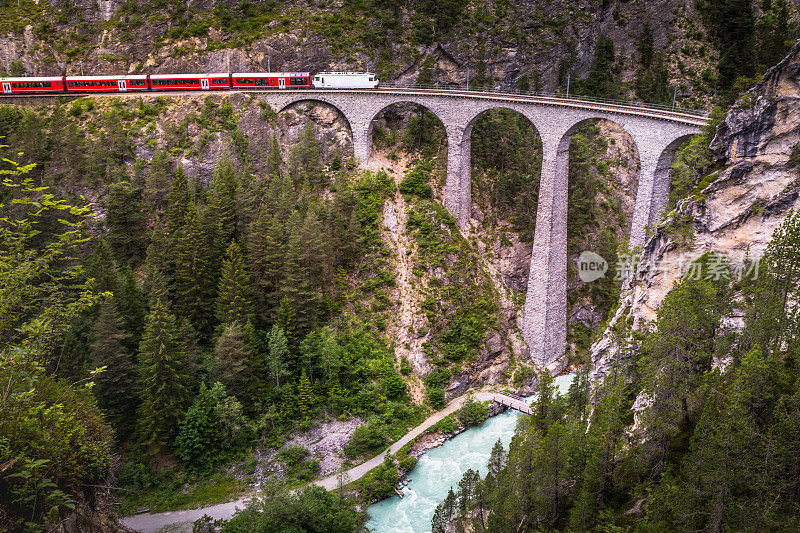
180, 521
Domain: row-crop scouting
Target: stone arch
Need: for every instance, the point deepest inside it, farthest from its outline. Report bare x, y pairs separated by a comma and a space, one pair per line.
467, 145
565, 143
288, 103
319, 99
662, 179
566, 138
375, 113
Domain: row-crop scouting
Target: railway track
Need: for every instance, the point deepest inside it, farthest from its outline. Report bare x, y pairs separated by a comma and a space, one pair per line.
635, 109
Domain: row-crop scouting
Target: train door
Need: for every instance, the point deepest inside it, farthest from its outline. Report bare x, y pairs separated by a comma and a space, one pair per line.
6, 87
281, 83
122, 85
204, 83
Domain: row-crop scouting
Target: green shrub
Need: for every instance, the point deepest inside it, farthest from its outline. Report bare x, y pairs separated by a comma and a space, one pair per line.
298, 467
417, 181
436, 397
794, 158
446, 425
406, 462
473, 413
76, 109
367, 438
380, 483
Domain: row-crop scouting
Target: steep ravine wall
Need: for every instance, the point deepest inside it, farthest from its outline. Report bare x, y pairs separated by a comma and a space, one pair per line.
756, 185
495, 44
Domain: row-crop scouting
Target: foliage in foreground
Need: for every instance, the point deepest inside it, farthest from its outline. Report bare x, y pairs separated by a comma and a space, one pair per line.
716, 446
312, 510
54, 442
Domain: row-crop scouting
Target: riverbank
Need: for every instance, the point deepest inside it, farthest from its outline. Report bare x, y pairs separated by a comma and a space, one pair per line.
442, 467
180, 521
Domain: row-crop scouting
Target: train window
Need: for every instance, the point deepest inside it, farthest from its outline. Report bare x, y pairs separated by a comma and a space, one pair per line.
219, 80
298, 81
30, 84
262, 81
244, 80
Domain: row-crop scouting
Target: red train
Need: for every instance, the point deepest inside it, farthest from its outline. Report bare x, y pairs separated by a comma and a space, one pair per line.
157, 82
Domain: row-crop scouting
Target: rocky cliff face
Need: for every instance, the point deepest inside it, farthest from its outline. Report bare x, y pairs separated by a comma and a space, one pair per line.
757, 183
496, 44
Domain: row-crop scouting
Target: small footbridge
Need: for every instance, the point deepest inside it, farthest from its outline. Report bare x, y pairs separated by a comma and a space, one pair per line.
512, 401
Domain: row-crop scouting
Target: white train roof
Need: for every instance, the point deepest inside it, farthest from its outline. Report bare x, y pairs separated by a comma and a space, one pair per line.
109, 77
348, 73
269, 74
33, 78
188, 76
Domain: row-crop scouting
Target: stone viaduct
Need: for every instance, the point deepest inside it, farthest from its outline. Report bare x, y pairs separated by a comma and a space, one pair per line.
657, 135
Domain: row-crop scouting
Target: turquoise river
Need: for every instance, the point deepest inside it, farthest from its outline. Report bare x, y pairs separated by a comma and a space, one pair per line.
442, 468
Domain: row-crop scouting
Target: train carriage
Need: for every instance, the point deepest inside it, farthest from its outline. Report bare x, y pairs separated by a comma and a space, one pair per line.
52, 84
345, 80
95, 84
270, 80
190, 82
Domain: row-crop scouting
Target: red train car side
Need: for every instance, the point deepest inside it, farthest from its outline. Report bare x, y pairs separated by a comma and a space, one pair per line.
94, 84
190, 82
270, 80
52, 84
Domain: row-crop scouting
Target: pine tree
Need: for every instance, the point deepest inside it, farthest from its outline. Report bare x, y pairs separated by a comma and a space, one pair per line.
194, 274
772, 318
179, 204
287, 322
275, 159
278, 360
233, 356
157, 182
602, 79
222, 203
115, 384
652, 77
249, 196
102, 268
158, 264
198, 437
266, 252
164, 380
604, 438
330, 354
126, 221
258, 369
296, 283
305, 162
774, 32
131, 306
315, 253
497, 459
235, 302
305, 397
392, 383
336, 395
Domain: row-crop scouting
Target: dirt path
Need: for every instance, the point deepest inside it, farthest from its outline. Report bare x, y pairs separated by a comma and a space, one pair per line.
181, 521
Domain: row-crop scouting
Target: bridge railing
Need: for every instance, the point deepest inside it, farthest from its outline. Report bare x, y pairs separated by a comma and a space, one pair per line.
571, 97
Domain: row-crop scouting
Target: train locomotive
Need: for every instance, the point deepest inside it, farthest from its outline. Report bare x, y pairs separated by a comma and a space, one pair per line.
225, 81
